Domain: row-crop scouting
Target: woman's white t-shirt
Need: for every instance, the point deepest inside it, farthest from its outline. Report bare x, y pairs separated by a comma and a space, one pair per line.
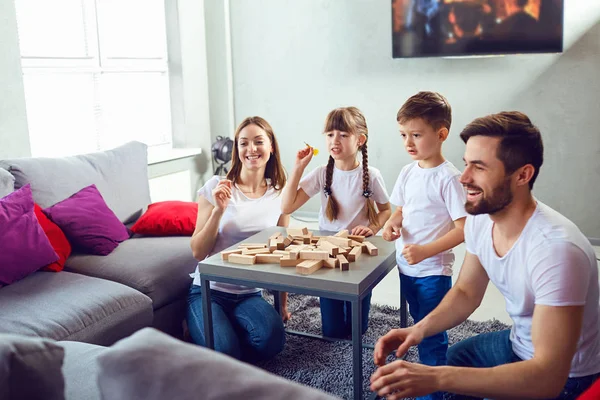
347, 189
552, 263
243, 218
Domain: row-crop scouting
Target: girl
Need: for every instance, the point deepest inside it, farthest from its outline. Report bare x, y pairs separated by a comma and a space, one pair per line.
348, 190
231, 210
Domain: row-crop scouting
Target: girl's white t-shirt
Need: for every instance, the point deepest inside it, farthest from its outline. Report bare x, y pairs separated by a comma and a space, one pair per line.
347, 189
552, 263
243, 218
431, 199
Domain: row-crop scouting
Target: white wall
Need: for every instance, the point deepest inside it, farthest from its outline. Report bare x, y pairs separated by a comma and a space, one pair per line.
14, 135
293, 61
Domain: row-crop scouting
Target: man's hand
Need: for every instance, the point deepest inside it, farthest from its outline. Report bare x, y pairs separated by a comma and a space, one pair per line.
362, 230
401, 379
391, 231
399, 339
414, 253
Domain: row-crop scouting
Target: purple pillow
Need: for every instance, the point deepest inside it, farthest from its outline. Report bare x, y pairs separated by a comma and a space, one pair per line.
88, 223
24, 247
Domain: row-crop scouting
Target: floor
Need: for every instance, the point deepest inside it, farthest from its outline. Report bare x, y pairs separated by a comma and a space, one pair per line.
387, 291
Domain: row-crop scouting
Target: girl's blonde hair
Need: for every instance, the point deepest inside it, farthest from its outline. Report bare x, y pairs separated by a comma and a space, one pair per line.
351, 120
274, 170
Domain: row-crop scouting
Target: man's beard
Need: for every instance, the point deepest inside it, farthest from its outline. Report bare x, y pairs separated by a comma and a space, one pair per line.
501, 197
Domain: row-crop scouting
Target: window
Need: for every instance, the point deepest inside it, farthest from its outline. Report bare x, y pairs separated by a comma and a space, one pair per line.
95, 74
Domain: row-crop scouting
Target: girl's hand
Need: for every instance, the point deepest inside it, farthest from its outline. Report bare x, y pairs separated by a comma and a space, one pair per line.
222, 194
362, 230
285, 314
303, 157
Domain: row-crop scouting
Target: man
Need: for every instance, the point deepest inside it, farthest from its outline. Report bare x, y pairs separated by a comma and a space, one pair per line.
542, 264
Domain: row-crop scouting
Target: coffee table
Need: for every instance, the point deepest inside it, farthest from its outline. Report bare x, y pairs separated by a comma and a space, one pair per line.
352, 286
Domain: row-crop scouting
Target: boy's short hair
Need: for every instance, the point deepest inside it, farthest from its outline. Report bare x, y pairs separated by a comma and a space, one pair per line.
432, 107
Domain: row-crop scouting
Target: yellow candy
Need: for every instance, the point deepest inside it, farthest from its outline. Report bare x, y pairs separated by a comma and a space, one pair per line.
315, 151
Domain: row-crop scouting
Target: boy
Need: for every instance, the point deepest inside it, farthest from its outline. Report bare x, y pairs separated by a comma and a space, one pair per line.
430, 215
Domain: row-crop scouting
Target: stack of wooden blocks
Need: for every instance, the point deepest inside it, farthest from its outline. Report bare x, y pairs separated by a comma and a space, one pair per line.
303, 250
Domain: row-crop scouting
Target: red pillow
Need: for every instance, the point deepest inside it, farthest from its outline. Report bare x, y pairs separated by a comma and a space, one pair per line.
168, 218
57, 239
593, 392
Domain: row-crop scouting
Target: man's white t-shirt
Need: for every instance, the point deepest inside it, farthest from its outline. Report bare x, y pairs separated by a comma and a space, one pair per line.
553, 264
347, 189
431, 200
243, 218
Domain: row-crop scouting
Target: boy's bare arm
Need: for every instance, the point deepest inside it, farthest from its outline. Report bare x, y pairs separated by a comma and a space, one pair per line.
384, 211
391, 229
414, 253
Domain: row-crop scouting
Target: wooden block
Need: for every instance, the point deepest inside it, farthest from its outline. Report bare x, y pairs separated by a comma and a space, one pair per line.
253, 245
282, 252
329, 247
357, 238
275, 235
343, 233
307, 267
314, 255
371, 248
343, 263
225, 254
307, 238
297, 241
252, 252
338, 241
354, 254
331, 263
280, 243
297, 231
354, 243
242, 259
295, 253
288, 262
268, 258
272, 245
287, 241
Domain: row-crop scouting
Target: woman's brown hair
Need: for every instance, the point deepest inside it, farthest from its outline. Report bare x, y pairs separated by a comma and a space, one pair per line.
351, 120
274, 170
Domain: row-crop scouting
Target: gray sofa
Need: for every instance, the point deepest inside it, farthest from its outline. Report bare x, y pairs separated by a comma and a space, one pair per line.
99, 299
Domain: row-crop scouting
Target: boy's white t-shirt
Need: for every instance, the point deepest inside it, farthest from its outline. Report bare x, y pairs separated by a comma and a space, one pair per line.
431, 199
347, 189
243, 218
552, 263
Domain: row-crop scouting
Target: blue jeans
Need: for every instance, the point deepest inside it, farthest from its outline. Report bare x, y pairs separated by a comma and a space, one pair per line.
336, 317
245, 326
423, 295
495, 348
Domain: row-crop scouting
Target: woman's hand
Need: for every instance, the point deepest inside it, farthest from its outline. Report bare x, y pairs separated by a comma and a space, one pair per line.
222, 194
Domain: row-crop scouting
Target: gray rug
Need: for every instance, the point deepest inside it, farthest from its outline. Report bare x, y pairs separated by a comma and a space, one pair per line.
328, 365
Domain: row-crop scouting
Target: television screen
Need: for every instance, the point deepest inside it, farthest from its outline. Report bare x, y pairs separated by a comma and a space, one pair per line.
430, 28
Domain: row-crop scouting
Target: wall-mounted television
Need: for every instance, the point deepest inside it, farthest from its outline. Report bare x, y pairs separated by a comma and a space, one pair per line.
434, 28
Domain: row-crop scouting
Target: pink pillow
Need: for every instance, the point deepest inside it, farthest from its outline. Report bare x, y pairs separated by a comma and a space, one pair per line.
24, 247
89, 224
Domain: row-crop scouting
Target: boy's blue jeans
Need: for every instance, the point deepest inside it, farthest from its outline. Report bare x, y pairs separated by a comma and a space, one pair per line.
245, 326
492, 349
423, 295
336, 317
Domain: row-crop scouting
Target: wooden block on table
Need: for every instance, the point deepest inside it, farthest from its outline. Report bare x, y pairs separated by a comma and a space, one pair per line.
354, 253
297, 231
307, 267
370, 248
252, 252
338, 241
282, 252
268, 258
272, 245
275, 235
354, 243
343, 263
287, 241
331, 263
225, 254
289, 262
242, 259
307, 238
253, 245
343, 233
357, 238
280, 243
329, 247
314, 255
297, 241
295, 253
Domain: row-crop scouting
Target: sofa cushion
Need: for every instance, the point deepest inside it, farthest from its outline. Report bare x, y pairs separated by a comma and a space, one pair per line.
67, 306
121, 175
168, 218
98, 232
7, 182
30, 368
24, 247
57, 239
80, 370
157, 267
177, 370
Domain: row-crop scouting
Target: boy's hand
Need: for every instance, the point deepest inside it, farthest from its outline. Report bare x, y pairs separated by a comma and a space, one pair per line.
361, 230
414, 253
222, 194
391, 231
303, 157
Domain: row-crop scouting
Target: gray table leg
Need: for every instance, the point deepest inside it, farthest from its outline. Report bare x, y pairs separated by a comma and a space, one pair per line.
357, 347
403, 311
207, 314
277, 300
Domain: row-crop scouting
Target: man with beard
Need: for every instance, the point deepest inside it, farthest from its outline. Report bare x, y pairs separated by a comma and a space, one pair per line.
539, 260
